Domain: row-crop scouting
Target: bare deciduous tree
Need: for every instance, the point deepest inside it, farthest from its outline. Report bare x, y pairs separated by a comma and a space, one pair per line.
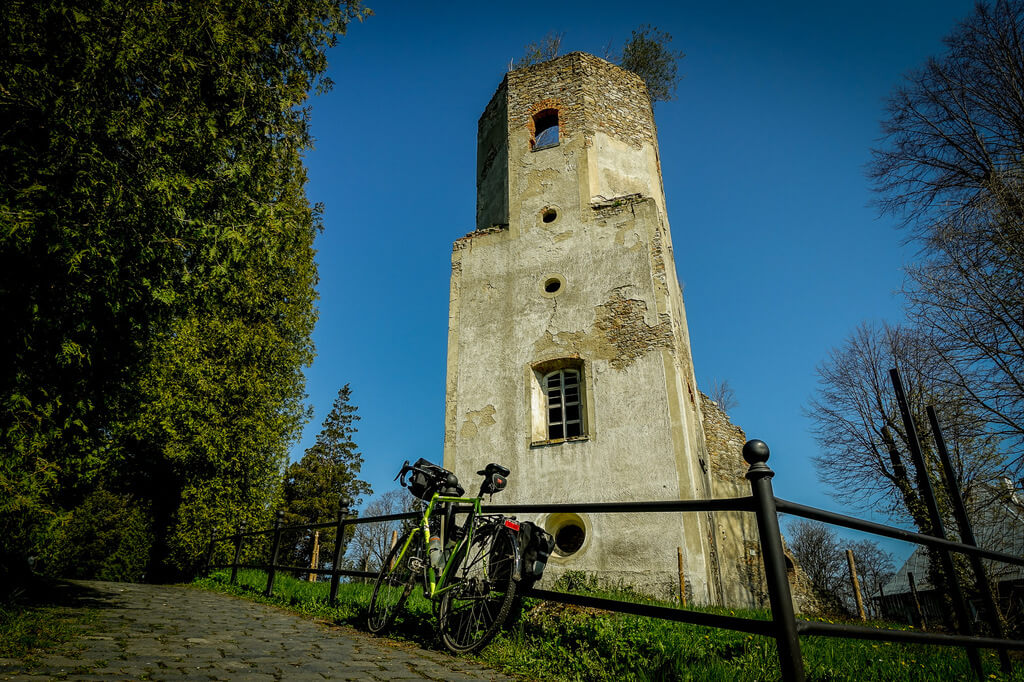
822, 556
957, 125
723, 395
816, 550
372, 541
865, 458
968, 293
540, 51
951, 165
874, 569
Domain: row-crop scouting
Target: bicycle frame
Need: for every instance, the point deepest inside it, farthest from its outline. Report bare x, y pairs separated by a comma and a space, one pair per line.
434, 582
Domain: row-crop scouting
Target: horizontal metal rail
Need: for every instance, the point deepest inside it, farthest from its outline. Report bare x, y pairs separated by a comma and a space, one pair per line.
318, 526
816, 514
903, 636
783, 626
753, 626
722, 504
299, 569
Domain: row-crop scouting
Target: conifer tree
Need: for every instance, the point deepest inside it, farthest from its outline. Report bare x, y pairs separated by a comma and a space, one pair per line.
326, 479
156, 258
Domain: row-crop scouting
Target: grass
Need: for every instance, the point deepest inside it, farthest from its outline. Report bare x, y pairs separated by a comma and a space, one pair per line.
559, 642
27, 631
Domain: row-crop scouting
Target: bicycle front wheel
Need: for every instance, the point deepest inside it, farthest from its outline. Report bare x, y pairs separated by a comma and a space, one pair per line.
396, 580
475, 608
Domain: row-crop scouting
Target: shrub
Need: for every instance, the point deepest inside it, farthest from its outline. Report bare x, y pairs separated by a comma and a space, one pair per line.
107, 537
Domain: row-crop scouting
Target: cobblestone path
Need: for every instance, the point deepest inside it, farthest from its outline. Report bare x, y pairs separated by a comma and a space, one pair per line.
160, 632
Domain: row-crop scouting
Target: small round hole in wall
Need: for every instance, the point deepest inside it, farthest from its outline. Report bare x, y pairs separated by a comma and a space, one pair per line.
549, 215
569, 531
552, 285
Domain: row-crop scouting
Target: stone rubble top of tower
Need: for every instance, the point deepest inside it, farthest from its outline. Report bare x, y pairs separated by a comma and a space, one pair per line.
605, 140
613, 110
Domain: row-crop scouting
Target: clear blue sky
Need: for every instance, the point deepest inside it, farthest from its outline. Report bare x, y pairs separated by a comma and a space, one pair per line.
763, 156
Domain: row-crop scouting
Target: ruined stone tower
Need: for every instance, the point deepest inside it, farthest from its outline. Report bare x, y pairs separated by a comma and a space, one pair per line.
568, 353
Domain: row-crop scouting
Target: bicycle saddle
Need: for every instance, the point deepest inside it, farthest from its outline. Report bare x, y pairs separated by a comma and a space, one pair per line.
493, 468
495, 479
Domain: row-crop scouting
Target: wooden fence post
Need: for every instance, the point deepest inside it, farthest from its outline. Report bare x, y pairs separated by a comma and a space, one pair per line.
314, 560
856, 584
921, 622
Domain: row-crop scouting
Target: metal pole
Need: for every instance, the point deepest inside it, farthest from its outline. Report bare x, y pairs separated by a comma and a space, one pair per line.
272, 568
238, 552
791, 663
682, 578
339, 546
967, 537
209, 550
938, 529
856, 584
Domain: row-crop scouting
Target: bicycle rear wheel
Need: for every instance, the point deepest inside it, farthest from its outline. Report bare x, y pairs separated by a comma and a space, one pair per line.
475, 608
396, 580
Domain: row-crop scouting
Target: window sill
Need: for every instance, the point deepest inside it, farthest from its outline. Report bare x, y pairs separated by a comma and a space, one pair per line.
537, 149
558, 441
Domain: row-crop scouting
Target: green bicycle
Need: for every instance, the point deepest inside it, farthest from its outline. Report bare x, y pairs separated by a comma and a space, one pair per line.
470, 571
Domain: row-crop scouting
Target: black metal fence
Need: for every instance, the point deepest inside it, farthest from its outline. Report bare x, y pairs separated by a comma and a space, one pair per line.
783, 626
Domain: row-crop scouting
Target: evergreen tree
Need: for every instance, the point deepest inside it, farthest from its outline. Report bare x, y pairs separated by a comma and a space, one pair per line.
647, 54
156, 260
326, 479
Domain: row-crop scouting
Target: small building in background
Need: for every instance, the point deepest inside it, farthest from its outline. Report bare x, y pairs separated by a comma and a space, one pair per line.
997, 518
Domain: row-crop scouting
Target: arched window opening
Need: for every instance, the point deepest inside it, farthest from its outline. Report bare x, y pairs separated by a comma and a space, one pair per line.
565, 417
545, 128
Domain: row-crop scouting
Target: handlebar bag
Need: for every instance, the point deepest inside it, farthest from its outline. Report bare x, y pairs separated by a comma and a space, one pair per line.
426, 479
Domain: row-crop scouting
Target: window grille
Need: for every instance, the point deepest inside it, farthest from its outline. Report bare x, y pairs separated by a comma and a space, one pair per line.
565, 414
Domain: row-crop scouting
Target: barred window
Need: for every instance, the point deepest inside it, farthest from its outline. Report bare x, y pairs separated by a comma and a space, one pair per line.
565, 418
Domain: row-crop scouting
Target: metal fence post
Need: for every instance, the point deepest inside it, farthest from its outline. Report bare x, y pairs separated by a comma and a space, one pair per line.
967, 537
339, 546
937, 528
238, 552
209, 550
276, 547
791, 662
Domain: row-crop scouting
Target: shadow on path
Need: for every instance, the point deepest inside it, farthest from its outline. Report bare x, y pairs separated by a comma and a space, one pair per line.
169, 632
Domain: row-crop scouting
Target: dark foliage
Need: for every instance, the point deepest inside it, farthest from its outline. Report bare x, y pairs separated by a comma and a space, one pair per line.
648, 54
107, 537
156, 261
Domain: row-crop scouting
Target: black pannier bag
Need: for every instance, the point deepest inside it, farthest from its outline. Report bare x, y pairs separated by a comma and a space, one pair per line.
535, 545
427, 478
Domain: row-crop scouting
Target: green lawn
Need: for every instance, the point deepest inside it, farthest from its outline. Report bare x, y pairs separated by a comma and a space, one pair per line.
556, 642
27, 630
